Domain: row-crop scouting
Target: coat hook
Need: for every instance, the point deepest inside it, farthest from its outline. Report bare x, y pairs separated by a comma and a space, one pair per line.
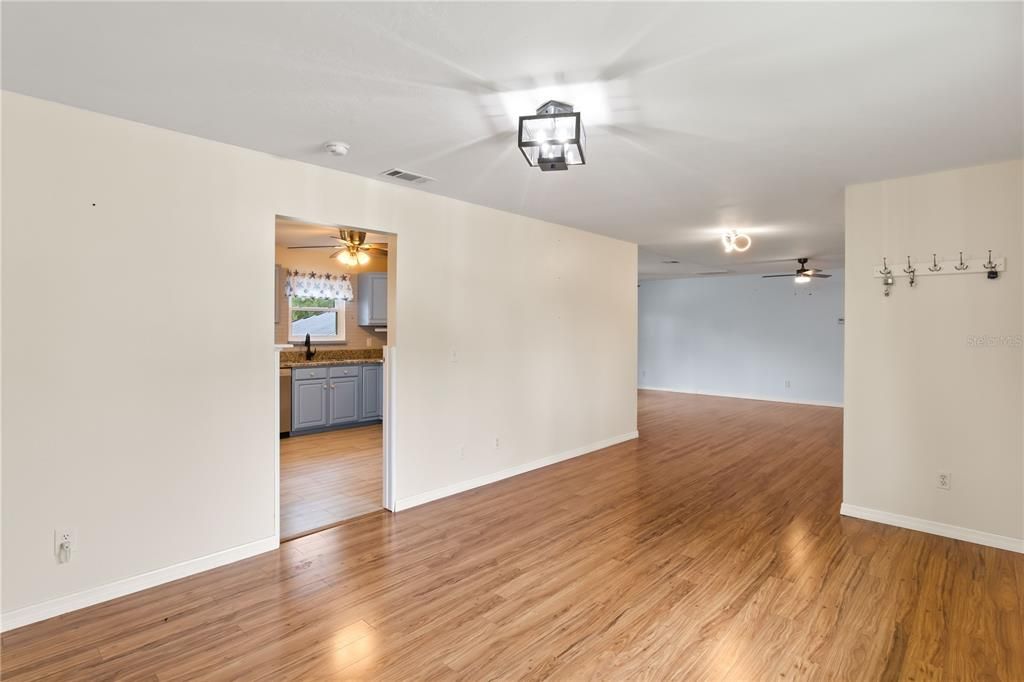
991, 267
963, 266
934, 267
912, 271
887, 278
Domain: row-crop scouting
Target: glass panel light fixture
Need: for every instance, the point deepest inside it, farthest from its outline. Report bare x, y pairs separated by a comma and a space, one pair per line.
553, 139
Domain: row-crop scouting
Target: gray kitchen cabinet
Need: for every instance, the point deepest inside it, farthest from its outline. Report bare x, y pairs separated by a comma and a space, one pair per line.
344, 400
324, 397
372, 292
372, 393
309, 404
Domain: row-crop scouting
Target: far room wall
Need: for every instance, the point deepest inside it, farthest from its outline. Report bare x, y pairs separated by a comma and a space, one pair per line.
310, 260
743, 336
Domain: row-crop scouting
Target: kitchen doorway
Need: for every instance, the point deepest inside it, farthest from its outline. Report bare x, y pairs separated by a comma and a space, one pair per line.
331, 329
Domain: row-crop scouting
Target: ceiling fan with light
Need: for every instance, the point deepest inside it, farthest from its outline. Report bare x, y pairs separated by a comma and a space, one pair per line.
351, 248
803, 273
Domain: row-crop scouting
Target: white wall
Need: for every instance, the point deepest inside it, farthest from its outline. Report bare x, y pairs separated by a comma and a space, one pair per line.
156, 444
743, 336
920, 396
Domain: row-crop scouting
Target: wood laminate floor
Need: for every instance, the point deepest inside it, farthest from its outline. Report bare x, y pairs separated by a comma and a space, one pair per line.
709, 549
329, 477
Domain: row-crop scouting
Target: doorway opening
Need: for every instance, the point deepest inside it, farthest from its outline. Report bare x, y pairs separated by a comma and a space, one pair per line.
331, 331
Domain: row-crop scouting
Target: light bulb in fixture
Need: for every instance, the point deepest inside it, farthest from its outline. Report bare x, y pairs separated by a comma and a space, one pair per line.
801, 279
727, 242
553, 139
362, 258
346, 258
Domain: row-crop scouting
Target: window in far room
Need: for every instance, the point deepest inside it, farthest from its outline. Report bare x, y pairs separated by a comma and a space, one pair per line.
322, 318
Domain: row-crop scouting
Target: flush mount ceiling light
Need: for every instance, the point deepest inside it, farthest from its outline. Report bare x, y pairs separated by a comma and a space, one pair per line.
735, 241
553, 139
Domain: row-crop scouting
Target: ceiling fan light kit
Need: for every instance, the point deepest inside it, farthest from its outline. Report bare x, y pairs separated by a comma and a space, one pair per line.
353, 257
553, 139
735, 241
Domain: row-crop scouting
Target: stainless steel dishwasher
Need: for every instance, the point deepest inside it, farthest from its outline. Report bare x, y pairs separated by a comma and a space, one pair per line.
286, 401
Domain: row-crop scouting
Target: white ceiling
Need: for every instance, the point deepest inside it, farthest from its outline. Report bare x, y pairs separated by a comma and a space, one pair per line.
699, 116
291, 232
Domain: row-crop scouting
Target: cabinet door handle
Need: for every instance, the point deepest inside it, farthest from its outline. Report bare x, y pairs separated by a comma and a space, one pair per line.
332, 387
325, 387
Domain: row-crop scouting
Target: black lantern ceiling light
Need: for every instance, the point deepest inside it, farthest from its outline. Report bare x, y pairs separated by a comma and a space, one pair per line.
553, 139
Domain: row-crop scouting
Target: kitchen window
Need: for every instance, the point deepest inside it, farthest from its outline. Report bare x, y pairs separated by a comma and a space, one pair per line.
322, 318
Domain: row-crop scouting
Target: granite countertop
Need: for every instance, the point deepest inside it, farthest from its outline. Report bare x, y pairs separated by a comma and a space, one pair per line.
332, 356
327, 363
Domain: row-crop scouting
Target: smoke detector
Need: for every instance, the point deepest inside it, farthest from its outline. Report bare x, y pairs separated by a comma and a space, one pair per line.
336, 148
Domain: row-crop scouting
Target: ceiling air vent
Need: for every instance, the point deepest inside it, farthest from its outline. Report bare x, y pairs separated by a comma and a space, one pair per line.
711, 272
406, 176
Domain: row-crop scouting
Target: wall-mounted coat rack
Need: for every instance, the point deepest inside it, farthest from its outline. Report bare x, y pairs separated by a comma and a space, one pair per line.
916, 269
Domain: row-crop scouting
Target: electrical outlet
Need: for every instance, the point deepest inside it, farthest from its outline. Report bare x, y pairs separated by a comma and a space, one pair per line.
787, 383
63, 543
497, 443
944, 480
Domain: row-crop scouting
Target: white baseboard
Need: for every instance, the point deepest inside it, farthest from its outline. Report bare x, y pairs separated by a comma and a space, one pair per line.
95, 595
772, 399
463, 486
978, 537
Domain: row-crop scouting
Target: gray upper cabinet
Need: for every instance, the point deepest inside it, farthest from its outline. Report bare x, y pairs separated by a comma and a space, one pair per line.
344, 400
372, 292
309, 404
372, 402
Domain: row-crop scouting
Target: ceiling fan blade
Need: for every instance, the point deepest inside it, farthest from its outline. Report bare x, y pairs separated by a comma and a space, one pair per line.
377, 249
332, 246
819, 274
786, 275
766, 261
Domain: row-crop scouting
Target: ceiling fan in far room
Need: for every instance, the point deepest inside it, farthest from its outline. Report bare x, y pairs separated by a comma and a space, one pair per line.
351, 248
803, 273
